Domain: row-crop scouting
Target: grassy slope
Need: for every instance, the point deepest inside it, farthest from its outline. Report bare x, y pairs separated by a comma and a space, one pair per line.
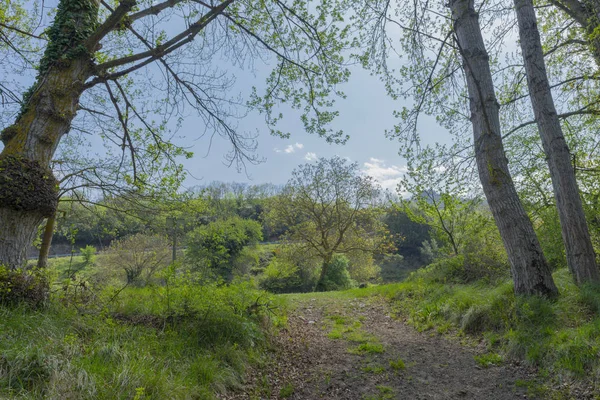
191, 342
187, 342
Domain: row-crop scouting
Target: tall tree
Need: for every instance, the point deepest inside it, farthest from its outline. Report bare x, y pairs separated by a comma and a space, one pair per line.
96, 56
327, 209
581, 257
530, 270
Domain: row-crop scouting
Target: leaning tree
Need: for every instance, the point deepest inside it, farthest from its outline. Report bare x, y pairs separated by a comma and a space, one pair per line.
126, 72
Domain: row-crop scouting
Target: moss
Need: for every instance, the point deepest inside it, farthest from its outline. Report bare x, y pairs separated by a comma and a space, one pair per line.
8, 133
74, 22
27, 186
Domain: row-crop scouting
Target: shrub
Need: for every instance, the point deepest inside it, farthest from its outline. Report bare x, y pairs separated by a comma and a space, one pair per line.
219, 243
139, 256
89, 255
281, 276
338, 277
23, 286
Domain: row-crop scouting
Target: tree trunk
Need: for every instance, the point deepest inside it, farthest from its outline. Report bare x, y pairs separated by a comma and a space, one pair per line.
529, 268
46, 242
593, 28
28, 190
587, 14
17, 233
581, 258
321, 282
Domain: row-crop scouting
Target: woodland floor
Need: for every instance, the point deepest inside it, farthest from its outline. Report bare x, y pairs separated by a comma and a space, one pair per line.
354, 349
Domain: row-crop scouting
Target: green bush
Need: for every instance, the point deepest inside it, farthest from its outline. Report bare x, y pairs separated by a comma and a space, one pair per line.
338, 277
89, 255
23, 286
217, 245
281, 276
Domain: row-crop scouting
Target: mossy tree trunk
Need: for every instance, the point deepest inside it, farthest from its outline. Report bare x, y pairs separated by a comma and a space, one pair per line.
529, 268
581, 258
28, 190
32, 140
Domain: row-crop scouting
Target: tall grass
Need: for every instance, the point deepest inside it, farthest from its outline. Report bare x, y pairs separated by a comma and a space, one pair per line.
191, 343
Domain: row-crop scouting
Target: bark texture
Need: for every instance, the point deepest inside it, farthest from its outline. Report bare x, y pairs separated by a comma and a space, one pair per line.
46, 242
17, 232
48, 110
529, 268
580, 252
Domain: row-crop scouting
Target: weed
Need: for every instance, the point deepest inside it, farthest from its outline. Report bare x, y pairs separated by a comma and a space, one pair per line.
375, 369
488, 359
286, 391
397, 365
384, 393
367, 348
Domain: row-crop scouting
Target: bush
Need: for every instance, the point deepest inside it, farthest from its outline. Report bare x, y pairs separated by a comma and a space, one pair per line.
139, 256
281, 276
21, 286
89, 255
218, 244
338, 277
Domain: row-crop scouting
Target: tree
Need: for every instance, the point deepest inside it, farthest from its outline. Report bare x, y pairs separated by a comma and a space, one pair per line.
581, 257
97, 56
219, 243
140, 256
327, 208
530, 270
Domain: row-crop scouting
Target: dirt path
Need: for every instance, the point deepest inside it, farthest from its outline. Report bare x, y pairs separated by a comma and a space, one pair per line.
353, 349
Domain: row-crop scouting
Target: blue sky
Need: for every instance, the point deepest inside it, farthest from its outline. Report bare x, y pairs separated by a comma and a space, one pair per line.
365, 115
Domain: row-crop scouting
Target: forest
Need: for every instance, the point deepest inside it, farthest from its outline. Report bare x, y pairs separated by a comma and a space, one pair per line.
475, 276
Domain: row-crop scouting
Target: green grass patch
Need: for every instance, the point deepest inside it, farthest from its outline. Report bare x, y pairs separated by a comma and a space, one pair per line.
374, 369
397, 365
488, 359
190, 343
367, 348
383, 393
286, 391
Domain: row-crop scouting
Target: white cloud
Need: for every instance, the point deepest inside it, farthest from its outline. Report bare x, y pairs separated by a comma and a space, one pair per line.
289, 149
310, 156
387, 176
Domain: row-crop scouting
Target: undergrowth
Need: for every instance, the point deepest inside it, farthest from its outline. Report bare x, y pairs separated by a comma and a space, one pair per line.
176, 341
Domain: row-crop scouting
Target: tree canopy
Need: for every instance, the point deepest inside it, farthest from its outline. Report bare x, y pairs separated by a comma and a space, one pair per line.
327, 208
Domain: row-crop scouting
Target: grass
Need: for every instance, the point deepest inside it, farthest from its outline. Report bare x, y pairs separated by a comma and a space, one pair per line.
383, 393
286, 391
374, 369
367, 348
397, 365
488, 359
190, 342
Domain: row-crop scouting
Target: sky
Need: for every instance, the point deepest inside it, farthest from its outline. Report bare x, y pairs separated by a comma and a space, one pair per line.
365, 115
